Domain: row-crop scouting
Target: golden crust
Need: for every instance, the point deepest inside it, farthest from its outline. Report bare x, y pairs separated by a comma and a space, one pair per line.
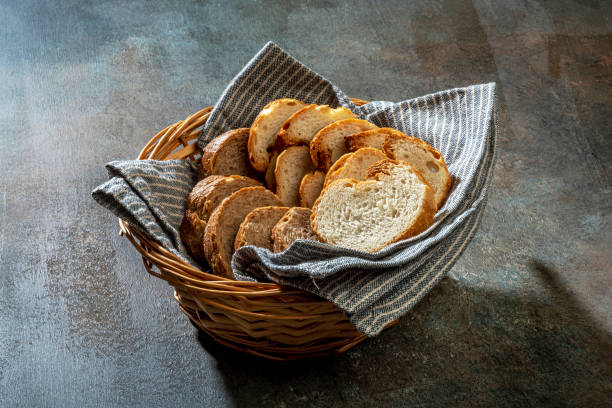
346, 160
370, 138
322, 150
283, 139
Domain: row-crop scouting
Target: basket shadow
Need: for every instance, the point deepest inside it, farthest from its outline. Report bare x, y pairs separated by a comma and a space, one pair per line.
516, 351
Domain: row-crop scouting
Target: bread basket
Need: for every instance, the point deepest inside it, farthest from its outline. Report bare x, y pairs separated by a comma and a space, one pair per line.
262, 319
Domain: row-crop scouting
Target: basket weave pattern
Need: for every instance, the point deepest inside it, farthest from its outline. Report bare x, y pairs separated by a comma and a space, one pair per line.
262, 319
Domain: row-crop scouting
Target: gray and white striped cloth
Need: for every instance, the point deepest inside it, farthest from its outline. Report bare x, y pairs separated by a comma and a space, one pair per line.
372, 289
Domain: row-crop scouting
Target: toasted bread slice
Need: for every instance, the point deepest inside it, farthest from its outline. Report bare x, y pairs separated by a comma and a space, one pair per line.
291, 166
227, 155
354, 165
301, 127
295, 224
393, 203
256, 229
269, 177
310, 188
265, 127
327, 145
369, 138
223, 225
206, 195
422, 157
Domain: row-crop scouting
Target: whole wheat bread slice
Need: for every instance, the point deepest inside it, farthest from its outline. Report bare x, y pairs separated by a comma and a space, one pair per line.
227, 155
354, 165
301, 127
256, 229
327, 145
370, 138
206, 195
393, 203
422, 157
223, 225
295, 224
291, 166
265, 127
310, 188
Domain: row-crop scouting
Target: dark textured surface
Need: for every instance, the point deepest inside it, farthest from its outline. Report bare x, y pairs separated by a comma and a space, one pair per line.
524, 319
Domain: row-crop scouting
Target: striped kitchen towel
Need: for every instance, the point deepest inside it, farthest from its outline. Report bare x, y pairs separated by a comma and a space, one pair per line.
372, 289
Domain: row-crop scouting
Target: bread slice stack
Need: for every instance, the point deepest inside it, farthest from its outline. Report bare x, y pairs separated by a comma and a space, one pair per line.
329, 176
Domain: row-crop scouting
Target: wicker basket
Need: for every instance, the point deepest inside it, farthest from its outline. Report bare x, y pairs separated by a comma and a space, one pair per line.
263, 319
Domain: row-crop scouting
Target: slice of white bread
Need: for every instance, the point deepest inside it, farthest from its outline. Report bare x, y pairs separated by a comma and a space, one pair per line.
424, 158
228, 155
369, 138
291, 166
354, 165
269, 177
265, 127
223, 225
301, 127
393, 203
310, 188
295, 224
206, 195
256, 229
327, 145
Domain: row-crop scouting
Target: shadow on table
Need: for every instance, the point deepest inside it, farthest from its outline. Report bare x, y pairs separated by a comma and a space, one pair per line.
460, 346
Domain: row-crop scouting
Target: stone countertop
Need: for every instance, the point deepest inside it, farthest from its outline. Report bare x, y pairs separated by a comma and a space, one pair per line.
524, 317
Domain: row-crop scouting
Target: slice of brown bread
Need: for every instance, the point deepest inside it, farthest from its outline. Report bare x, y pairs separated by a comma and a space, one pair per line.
295, 224
354, 165
422, 157
228, 155
301, 127
393, 203
256, 229
206, 195
270, 179
327, 145
310, 188
223, 225
265, 127
370, 138
291, 166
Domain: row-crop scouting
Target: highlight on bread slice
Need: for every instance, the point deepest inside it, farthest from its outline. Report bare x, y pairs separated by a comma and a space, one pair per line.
223, 225
206, 195
301, 127
291, 166
310, 188
422, 157
265, 127
228, 155
269, 176
369, 138
256, 229
327, 145
393, 203
354, 165
295, 224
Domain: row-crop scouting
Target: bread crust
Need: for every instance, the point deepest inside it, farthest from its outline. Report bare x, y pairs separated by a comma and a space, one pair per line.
258, 161
348, 159
216, 236
328, 145
374, 138
256, 229
210, 164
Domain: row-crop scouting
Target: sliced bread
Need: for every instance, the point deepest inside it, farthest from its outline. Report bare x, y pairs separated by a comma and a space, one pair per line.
295, 224
393, 203
301, 127
265, 127
256, 229
206, 195
369, 138
354, 165
228, 155
310, 188
327, 145
291, 166
422, 157
223, 225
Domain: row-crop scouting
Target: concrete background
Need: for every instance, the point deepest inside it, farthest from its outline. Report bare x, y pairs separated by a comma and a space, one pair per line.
523, 319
